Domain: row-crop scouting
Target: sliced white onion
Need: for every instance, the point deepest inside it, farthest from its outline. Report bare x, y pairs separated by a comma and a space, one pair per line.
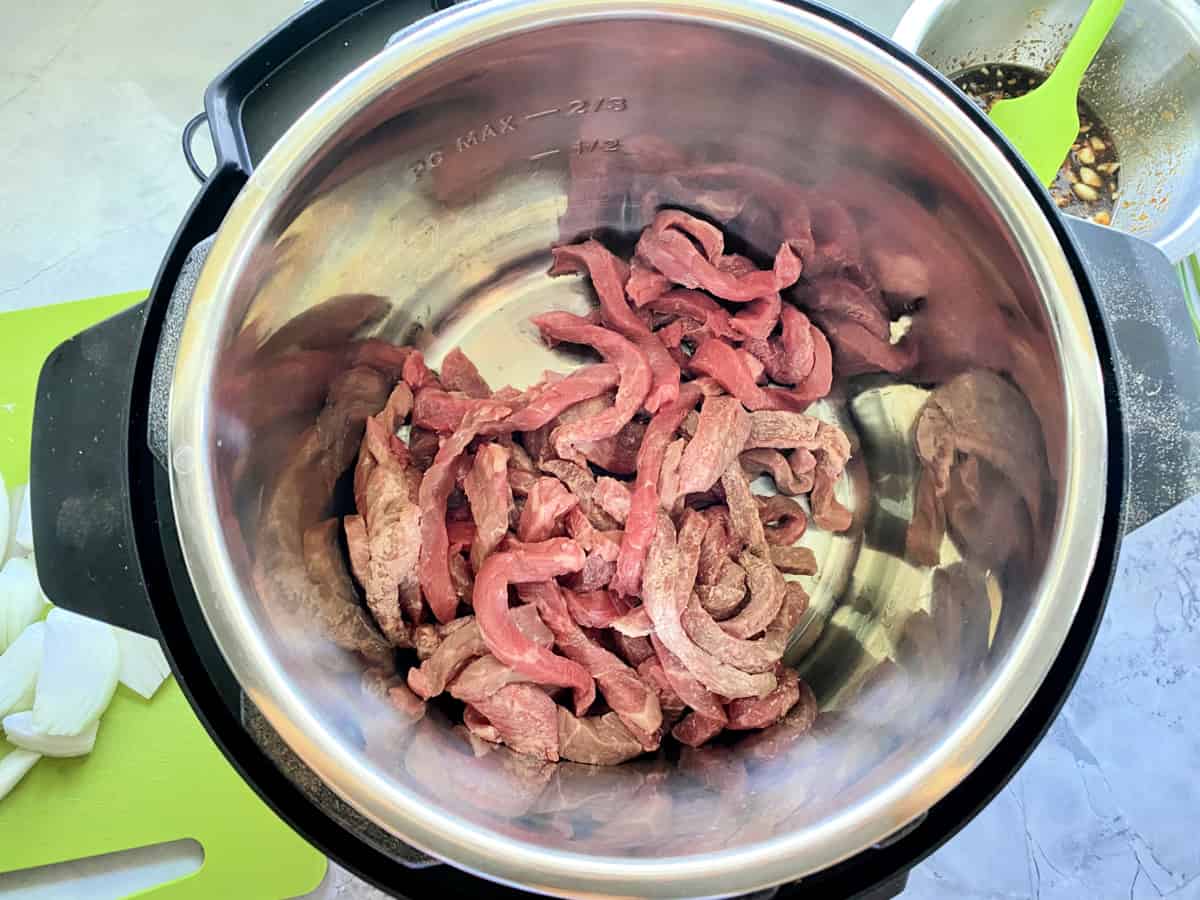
21, 731
23, 529
143, 665
80, 663
13, 767
21, 599
19, 666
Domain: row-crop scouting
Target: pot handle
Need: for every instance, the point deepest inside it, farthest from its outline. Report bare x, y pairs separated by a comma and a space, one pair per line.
79, 476
1158, 366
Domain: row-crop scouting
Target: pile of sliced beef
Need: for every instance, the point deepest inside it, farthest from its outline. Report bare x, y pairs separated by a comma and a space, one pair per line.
582, 563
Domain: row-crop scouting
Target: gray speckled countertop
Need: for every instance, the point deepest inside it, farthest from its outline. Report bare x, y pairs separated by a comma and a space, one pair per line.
92, 99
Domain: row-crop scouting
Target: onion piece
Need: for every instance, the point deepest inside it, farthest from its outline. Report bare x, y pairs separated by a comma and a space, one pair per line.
20, 730
23, 529
80, 664
19, 666
21, 599
143, 665
13, 768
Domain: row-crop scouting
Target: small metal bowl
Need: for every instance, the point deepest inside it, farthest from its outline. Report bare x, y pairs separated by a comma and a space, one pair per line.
1144, 85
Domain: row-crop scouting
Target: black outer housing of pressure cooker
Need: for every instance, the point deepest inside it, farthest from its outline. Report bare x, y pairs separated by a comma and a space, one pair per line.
120, 558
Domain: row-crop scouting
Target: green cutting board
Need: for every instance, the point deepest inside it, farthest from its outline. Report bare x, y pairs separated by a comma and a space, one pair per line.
155, 774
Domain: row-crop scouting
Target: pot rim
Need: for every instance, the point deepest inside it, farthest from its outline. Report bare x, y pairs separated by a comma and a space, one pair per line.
245, 646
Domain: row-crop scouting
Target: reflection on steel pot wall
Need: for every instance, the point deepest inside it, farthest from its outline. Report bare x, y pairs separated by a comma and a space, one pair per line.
417, 200
1144, 84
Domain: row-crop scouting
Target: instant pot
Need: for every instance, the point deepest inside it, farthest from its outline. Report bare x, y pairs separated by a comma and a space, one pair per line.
412, 192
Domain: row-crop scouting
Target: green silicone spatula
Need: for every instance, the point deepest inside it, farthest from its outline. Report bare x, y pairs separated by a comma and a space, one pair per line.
1043, 123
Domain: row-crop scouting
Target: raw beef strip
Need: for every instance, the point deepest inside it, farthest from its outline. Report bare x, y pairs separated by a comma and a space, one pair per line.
482, 678
605, 544
416, 374
724, 363
753, 713
685, 685
530, 563
521, 482
672, 253
635, 650
635, 623
635, 372
815, 385
758, 318
459, 374
594, 609
663, 592
669, 494
547, 502
832, 450
580, 481
616, 454
427, 638
697, 307
746, 524
538, 442
767, 590
794, 560
697, 729
597, 573
488, 491
724, 597
651, 671
441, 411
782, 430
384, 490
640, 523
455, 651
609, 274
624, 692
721, 434
783, 519
462, 641
789, 358
771, 743
645, 284
803, 464
597, 740
708, 236
543, 404
436, 487
763, 461
460, 532
613, 497
718, 546
334, 602
525, 719
760, 655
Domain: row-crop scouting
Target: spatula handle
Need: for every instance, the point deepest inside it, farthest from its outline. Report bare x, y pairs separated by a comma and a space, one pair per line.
1093, 29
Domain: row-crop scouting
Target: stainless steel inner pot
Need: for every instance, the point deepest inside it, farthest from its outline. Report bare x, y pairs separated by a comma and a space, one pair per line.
423, 193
